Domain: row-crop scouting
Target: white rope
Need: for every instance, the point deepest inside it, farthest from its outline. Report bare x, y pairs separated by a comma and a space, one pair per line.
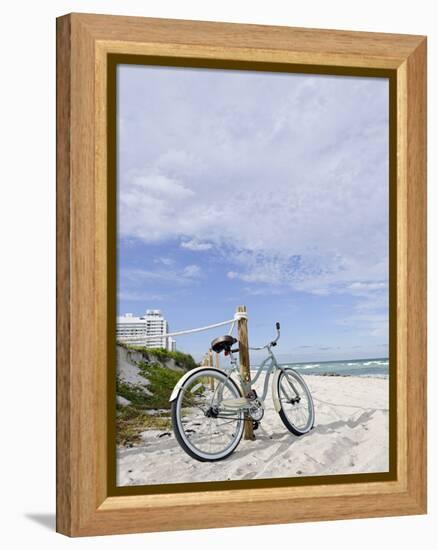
190, 331
238, 315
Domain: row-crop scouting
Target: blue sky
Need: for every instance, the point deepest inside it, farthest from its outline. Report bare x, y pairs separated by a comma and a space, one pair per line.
263, 189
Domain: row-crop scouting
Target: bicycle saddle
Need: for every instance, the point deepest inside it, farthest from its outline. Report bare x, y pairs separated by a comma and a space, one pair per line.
223, 343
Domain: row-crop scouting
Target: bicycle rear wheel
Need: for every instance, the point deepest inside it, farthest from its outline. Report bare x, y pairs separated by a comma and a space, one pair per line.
296, 404
205, 428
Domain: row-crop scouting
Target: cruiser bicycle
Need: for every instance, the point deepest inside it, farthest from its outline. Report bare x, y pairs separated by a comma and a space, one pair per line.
209, 408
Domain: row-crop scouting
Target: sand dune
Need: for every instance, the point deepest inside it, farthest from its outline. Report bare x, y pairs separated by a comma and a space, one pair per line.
350, 436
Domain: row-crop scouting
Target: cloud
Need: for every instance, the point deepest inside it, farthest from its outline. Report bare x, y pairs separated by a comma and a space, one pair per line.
365, 287
369, 313
176, 276
158, 284
291, 195
138, 296
196, 245
165, 261
372, 324
191, 272
265, 290
274, 270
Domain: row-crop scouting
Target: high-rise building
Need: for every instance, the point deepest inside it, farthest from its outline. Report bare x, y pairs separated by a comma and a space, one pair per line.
152, 325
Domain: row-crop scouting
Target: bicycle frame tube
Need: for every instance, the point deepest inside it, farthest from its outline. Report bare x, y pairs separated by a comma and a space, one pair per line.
271, 368
273, 364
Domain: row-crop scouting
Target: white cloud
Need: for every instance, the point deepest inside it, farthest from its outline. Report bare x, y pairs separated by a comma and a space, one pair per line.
367, 286
369, 314
138, 296
147, 205
196, 245
372, 324
174, 275
133, 283
162, 187
292, 194
164, 260
191, 272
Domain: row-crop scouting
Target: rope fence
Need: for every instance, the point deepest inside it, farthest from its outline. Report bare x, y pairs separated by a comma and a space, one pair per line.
143, 338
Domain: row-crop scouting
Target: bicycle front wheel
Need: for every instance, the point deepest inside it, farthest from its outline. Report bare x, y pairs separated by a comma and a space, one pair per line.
204, 426
296, 404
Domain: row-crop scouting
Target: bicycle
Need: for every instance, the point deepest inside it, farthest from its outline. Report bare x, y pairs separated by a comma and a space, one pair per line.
209, 409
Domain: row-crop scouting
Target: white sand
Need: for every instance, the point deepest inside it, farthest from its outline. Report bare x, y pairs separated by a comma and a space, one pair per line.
350, 436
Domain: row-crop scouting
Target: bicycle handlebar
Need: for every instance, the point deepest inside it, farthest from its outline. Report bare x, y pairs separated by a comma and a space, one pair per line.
273, 342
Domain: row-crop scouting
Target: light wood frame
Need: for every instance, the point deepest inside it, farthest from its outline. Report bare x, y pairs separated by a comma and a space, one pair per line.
83, 44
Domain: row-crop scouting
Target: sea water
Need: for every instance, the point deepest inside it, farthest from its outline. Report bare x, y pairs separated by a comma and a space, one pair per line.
349, 367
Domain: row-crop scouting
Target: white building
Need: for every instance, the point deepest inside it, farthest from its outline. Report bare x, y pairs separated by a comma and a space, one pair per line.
134, 330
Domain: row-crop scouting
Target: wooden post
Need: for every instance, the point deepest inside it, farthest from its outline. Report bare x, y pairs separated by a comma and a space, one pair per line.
245, 372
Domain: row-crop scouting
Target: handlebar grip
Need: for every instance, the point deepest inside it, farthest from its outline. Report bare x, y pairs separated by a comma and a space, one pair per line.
277, 325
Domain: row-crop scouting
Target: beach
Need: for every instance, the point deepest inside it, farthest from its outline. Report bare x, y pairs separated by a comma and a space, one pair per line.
350, 436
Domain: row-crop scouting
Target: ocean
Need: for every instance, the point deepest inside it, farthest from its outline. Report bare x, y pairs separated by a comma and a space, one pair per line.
349, 367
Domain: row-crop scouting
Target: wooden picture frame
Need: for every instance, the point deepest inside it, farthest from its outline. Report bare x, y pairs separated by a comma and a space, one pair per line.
85, 43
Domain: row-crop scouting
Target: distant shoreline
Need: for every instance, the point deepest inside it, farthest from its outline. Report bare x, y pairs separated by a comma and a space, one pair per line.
370, 367
316, 361
336, 374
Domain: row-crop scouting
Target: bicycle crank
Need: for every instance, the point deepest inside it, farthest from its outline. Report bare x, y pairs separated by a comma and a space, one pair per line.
256, 411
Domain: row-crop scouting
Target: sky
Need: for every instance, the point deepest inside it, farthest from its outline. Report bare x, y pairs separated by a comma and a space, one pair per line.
264, 189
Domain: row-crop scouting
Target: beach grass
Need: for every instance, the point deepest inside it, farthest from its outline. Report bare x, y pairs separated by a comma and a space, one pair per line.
131, 422
148, 409
183, 360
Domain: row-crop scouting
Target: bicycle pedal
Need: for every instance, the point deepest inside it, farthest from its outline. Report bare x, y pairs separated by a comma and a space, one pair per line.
255, 425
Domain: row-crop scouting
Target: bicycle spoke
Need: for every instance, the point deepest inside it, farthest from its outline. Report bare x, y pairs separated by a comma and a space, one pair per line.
297, 409
201, 424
